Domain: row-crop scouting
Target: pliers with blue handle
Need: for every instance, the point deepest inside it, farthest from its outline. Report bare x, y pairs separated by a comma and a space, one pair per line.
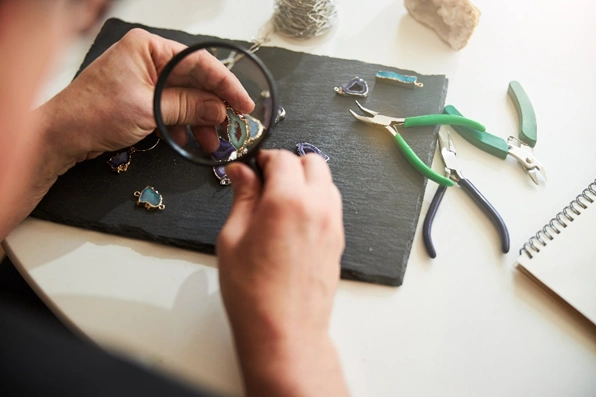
453, 172
519, 148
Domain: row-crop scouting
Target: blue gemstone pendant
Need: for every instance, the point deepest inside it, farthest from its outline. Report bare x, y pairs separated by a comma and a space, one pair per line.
120, 161
354, 87
304, 148
150, 199
401, 80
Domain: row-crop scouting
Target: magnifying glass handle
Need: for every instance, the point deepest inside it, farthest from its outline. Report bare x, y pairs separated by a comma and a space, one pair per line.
254, 164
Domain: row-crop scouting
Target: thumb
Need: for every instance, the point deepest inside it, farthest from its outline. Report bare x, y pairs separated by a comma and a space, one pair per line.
247, 191
191, 106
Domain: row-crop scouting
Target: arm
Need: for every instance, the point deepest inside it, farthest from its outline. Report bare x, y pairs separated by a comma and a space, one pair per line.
279, 259
106, 108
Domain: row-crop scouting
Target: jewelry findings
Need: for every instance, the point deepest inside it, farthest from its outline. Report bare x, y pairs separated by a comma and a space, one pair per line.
150, 199
398, 79
121, 160
355, 87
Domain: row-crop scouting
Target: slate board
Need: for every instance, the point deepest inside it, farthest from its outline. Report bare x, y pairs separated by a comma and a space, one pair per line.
382, 194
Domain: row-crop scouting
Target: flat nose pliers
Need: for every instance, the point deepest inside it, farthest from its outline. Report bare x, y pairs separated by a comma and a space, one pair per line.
392, 123
453, 172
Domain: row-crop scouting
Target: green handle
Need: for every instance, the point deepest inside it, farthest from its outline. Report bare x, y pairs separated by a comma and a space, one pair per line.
525, 111
418, 164
442, 119
483, 140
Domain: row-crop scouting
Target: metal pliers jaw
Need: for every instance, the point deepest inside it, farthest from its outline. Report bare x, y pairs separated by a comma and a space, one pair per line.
449, 155
523, 153
376, 118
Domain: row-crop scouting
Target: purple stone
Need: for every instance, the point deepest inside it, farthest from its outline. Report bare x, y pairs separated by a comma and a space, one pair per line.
224, 151
119, 162
220, 173
304, 148
354, 87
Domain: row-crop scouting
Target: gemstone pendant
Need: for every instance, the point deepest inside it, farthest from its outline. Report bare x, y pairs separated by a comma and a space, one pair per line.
255, 128
237, 129
150, 199
220, 173
401, 80
354, 87
120, 161
304, 148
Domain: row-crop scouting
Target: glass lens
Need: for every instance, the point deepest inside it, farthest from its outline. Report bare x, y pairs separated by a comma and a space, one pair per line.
214, 103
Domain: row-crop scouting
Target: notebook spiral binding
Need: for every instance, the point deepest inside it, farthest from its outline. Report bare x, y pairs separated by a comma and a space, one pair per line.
560, 221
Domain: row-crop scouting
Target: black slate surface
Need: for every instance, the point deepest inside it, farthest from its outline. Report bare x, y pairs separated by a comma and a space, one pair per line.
382, 194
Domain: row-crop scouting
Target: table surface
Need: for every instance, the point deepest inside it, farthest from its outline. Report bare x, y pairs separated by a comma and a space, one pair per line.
464, 324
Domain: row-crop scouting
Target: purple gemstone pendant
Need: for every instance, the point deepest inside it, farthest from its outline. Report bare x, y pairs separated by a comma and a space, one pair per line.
220, 173
304, 148
354, 87
120, 161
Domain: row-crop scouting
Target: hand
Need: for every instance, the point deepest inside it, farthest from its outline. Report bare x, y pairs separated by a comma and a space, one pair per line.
279, 260
109, 106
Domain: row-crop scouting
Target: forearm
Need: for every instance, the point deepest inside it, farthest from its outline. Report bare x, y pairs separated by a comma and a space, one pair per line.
308, 367
47, 153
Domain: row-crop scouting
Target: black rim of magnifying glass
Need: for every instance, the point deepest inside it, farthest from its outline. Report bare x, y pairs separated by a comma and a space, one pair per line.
161, 84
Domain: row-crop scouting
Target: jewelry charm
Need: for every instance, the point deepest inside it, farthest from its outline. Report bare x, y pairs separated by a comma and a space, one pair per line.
237, 129
401, 80
354, 87
150, 199
220, 173
121, 160
304, 148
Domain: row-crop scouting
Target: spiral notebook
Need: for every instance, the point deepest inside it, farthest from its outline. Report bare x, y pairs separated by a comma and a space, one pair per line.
561, 256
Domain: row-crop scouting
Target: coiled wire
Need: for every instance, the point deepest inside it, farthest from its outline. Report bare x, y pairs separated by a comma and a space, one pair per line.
304, 19
560, 221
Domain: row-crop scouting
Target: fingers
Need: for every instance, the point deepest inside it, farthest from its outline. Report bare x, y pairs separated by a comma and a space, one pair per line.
201, 70
206, 137
247, 191
316, 170
282, 169
192, 107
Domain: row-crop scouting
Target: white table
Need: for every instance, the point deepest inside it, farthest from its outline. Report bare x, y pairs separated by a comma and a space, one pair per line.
464, 324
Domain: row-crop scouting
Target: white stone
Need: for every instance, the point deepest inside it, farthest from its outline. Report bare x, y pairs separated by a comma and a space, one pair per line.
453, 20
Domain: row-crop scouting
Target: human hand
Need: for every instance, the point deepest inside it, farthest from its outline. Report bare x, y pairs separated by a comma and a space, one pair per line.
279, 261
109, 106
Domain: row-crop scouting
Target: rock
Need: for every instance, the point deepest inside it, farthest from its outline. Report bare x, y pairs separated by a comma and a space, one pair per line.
453, 20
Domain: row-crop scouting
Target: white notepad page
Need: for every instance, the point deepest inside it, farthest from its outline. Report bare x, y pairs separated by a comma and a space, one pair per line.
567, 264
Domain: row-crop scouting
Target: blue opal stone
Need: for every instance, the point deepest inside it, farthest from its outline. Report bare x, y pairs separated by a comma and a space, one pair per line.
237, 129
304, 148
354, 87
150, 196
255, 127
120, 161
398, 79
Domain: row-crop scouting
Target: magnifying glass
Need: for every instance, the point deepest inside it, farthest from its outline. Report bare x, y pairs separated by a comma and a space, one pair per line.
201, 81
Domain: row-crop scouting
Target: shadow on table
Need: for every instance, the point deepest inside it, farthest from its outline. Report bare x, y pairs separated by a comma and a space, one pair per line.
190, 340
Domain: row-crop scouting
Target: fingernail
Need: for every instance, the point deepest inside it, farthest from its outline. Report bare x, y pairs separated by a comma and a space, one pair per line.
212, 112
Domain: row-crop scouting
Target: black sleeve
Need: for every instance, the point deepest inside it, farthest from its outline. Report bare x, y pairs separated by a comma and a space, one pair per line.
37, 359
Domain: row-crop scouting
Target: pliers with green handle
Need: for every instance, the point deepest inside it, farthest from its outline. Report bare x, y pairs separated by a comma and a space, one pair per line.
392, 123
519, 148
